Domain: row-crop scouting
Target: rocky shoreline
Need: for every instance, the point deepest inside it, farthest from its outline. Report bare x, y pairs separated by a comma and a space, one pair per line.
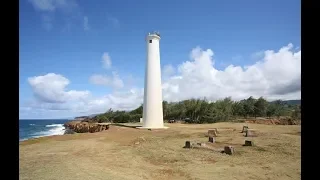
78, 126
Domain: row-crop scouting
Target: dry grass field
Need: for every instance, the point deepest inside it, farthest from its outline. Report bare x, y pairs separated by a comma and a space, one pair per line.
129, 153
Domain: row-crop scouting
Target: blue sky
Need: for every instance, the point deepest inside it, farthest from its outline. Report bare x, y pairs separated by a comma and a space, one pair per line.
69, 38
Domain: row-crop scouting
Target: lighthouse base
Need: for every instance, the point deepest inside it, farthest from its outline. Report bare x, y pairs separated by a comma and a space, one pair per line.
142, 127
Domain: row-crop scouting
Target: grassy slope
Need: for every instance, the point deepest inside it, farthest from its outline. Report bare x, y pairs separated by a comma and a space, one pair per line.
114, 154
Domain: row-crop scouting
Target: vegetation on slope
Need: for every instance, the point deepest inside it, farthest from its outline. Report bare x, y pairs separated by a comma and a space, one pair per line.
203, 111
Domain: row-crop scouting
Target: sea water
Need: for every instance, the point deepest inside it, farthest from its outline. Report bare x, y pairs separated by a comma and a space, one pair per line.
38, 128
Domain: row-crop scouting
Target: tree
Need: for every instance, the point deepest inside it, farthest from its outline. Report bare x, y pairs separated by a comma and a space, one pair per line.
138, 110
238, 109
249, 106
165, 109
271, 110
202, 111
102, 118
296, 113
279, 107
260, 107
223, 109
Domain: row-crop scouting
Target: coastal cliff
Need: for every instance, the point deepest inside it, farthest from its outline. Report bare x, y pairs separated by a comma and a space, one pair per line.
84, 127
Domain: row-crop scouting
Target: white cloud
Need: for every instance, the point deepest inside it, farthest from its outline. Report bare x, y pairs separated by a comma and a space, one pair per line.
115, 81
167, 71
49, 8
51, 88
52, 5
86, 23
277, 75
106, 60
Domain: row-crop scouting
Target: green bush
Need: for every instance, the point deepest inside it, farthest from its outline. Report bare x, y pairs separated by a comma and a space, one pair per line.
202, 111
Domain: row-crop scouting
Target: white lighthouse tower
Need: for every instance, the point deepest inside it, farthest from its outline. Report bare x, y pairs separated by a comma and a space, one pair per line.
152, 103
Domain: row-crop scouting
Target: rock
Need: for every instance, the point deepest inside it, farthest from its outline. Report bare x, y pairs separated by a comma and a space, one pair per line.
249, 133
229, 150
212, 140
199, 145
69, 131
95, 128
212, 133
203, 144
139, 140
85, 127
248, 143
188, 144
244, 129
216, 130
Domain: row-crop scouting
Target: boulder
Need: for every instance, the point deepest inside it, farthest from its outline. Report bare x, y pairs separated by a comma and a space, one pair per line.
229, 150
211, 139
248, 143
203, 144
85, 127
216, 130
188, 144
212, 133
244, 129
69, 131
249, 133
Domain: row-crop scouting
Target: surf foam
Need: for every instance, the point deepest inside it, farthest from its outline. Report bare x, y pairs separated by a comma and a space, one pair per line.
54, 129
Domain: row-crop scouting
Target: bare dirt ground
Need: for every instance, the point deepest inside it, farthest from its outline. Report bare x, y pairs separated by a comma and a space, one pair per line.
129, 153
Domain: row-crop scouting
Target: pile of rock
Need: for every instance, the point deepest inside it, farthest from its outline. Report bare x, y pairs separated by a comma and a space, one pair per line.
248, 132
85, 127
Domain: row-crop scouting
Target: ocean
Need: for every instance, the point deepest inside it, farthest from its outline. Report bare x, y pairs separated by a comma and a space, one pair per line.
38, 128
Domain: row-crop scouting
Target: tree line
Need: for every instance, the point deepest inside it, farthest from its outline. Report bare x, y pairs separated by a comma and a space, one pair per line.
203, 111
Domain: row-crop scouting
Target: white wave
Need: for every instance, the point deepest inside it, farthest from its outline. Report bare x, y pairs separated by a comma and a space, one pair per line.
56, 129
31, 124
54, 125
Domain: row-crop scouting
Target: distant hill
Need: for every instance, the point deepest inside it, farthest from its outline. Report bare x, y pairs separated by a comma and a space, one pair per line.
291, 102
90, 116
